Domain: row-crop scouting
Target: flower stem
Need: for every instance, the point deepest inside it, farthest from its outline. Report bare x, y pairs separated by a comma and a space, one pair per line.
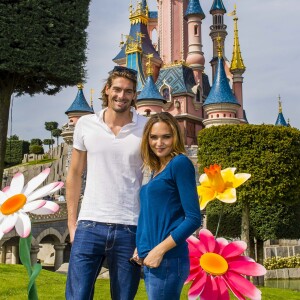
220, 218
33, 271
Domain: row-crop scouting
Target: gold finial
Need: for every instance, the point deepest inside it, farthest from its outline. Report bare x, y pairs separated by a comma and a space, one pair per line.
80, 86
139, 37
279, 104
237, 60
121, 42
148, 64
219, 47
233, 13
91, 98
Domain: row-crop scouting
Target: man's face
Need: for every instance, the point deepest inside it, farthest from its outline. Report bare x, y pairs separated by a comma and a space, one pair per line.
120, 94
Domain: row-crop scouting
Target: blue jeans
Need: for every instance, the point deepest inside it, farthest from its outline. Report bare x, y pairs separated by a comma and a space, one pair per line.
93, 243
166, 281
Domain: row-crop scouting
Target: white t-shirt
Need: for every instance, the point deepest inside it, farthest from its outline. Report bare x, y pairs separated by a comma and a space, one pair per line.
114, 169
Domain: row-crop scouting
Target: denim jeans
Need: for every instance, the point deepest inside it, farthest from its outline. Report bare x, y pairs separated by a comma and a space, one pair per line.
166, 281
93, 243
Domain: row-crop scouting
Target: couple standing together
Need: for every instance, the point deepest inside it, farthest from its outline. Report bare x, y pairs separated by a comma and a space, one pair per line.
119, 220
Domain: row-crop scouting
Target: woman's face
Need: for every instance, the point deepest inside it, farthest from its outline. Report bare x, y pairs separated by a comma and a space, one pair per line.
161, 140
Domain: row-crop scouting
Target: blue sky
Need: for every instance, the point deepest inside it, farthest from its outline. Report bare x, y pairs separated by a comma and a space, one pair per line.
268, 31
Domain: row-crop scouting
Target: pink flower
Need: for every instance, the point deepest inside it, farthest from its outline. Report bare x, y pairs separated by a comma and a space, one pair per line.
216, 265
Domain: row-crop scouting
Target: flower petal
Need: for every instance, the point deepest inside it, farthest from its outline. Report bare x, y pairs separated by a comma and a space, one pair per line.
45, 190
198, 285
206, 194
223, 291
210, 290
6, 189
207, 240
193, 244
240, 179
35, 182
204, 180
228, 196
244, 286
49, 208
23, 225
247, 268
3, 197
236, 293
9, 223
221, 243
1, 234
234, 249
17, 184
28, 207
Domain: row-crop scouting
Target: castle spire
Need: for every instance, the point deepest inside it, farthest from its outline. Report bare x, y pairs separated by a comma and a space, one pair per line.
280, 118
237, 60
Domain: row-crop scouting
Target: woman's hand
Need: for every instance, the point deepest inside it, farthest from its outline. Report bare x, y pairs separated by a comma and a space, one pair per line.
154, 258
135, 258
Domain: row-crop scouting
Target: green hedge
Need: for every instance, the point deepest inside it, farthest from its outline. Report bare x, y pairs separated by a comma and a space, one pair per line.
15, 151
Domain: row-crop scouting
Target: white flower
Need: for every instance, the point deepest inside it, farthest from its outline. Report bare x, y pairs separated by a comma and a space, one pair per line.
17, 200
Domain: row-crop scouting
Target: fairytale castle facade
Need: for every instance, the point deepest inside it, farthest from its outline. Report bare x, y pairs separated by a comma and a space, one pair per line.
171, 73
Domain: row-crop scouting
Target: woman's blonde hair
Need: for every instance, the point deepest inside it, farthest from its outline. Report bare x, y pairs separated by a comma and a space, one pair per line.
150, 160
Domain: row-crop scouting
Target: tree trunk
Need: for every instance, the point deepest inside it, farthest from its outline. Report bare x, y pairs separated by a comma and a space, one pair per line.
245, 234
5, 96
260, 260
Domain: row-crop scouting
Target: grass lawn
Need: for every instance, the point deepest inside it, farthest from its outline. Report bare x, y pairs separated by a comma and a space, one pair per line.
13, 285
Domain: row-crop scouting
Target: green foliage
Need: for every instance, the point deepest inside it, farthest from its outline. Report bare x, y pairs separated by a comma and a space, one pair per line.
50, 126
56, 133
15, 151
36, 149
36, 142
278, 262
48, 142
42, 43
13, 137
271, 154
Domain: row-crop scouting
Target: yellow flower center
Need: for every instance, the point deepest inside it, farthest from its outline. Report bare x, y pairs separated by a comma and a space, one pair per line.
13, 204
213, 263
215, 177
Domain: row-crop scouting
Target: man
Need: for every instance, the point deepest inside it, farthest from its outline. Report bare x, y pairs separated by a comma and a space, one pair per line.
108, 144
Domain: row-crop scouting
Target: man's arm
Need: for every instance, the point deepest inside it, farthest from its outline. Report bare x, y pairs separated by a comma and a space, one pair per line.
73, 188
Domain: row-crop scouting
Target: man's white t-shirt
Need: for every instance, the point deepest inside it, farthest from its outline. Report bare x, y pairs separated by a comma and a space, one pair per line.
114, 169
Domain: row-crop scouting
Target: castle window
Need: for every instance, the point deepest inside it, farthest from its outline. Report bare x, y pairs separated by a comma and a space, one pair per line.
217, 115
147, 112
196, 30
211, 116
166, 93
224, 115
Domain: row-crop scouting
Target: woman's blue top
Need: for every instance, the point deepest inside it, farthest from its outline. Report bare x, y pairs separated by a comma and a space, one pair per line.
169, 206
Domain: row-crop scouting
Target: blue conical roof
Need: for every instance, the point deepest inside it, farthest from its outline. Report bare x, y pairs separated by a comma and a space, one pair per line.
150, 91
220, 91
218, 5
79, 104
194, 8
144, 4
281, 120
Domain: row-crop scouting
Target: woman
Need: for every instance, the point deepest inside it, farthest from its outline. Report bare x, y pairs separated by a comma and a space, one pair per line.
169, 209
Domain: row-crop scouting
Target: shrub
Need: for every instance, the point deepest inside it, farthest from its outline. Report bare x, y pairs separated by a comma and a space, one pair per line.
278, 262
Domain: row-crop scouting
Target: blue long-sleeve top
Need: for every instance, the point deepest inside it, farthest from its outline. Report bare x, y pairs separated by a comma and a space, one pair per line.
169, 206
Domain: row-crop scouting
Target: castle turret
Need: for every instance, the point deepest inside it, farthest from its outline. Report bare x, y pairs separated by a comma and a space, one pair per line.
237, 68
280, 118
195, 58
217, 29
150, 101
221, 106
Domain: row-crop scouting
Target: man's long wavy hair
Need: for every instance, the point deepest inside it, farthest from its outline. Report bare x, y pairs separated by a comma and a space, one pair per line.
150, 160
109, 81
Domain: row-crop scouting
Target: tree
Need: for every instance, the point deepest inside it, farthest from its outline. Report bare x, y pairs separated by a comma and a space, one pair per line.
13, 137
271, 154
48, 142
36, 149
56, 133
50, 126
42, 50
36, 141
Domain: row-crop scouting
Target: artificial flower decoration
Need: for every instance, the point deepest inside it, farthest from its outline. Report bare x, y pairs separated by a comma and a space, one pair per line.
219, 184
216, 265
17, 200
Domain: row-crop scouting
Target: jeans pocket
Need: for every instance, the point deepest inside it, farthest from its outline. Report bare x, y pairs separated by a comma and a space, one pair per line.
84, 224
131, 229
